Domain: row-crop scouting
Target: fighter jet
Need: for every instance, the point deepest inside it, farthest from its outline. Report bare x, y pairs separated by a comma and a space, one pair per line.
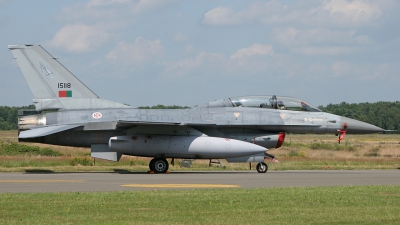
238, 129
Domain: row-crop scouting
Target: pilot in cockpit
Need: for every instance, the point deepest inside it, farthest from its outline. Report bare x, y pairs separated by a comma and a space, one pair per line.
305, 107
281, 105
272, 101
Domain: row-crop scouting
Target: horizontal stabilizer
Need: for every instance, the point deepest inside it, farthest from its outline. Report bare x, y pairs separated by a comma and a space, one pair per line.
44, 131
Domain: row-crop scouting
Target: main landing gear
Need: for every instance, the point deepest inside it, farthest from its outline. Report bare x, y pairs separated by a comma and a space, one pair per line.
159, 165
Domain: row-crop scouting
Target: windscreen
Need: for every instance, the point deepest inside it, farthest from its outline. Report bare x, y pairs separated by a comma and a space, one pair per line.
273, 102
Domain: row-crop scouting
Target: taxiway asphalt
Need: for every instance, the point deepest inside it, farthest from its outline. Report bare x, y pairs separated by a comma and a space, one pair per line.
131, 181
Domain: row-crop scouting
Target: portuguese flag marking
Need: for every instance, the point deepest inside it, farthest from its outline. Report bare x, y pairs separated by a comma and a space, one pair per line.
64, 94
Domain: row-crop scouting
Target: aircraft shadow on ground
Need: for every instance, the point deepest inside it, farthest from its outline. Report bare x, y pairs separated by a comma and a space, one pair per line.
39, 171
123, 171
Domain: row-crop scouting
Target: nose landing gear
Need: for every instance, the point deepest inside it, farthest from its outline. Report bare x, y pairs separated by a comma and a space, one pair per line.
262, 167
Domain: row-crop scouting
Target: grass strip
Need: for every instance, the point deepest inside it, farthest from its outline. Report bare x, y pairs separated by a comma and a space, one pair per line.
308, 205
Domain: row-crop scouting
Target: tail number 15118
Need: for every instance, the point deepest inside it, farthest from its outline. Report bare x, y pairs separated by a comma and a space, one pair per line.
64, 85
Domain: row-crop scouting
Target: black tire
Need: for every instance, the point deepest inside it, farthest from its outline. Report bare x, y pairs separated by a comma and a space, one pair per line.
160, 165
262, 167
151, 164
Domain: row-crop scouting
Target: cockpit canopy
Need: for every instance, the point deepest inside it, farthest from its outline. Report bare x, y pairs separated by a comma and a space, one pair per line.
265, 101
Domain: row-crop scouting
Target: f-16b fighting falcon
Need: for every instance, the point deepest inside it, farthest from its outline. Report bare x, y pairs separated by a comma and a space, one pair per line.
239, 129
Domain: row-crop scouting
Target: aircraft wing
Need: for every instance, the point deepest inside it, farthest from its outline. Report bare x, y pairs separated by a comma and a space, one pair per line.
202, 125
44, 131
128, 124
125, 124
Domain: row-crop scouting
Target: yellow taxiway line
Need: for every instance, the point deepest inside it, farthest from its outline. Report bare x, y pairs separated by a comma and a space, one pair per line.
41, 181
182, 185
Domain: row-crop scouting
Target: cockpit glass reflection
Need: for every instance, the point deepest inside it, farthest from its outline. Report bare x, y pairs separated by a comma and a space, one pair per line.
273, 102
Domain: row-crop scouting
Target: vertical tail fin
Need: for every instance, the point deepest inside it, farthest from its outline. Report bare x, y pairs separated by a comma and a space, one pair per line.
53, 86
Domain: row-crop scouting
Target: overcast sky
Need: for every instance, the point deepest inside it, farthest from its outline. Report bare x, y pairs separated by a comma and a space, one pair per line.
151, 52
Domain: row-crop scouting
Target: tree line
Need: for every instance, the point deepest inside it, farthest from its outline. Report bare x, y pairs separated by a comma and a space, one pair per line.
382, 114
9, 116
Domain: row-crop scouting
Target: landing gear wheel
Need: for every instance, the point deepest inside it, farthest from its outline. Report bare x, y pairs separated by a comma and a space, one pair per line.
151, 164
159, 165
262, 167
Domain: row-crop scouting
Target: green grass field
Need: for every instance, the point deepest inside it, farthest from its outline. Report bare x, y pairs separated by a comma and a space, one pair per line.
311, 205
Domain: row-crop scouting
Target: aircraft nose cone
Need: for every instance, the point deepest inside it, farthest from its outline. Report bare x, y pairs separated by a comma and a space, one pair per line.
358, 127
